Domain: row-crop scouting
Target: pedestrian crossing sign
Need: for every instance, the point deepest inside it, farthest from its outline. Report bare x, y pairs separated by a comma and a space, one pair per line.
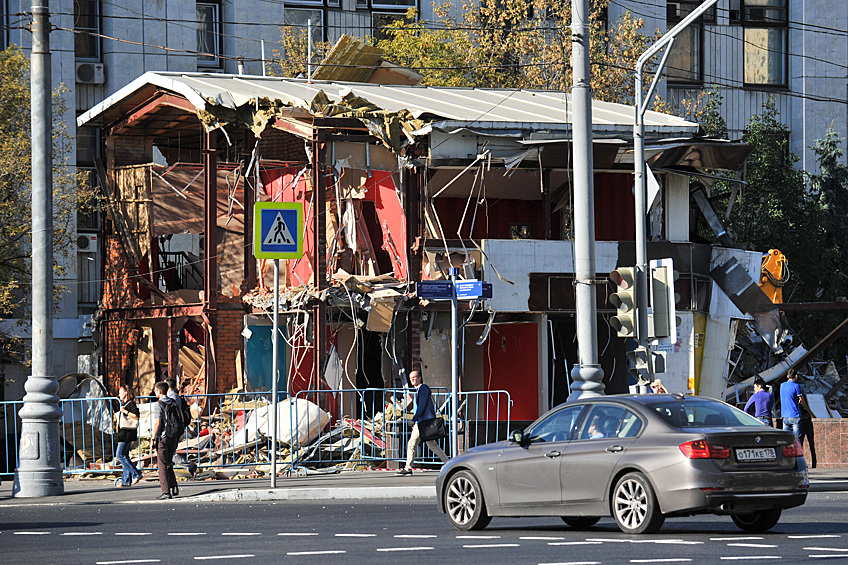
278, 230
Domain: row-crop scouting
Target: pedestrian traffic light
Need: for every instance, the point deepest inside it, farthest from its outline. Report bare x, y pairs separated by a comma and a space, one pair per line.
624, 300
639, 365
663, 321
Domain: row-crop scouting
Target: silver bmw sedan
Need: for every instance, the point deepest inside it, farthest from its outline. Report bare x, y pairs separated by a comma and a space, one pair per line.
639, 459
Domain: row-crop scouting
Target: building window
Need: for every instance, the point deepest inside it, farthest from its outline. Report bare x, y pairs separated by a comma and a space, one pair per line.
765, 33
208, 34
299, 20
685, 62
87, 26
381, 22
394, 3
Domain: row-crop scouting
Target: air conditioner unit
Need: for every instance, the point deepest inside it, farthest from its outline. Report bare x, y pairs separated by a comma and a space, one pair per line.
87, 242
91, 73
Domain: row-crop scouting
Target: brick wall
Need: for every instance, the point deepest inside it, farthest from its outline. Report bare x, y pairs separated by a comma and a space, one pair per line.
229, 343
118, 292
282, 146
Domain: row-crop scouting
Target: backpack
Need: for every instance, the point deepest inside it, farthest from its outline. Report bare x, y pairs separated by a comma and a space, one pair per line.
173, 417
186, 411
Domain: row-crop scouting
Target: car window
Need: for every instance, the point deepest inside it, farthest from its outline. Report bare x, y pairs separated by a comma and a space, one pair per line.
557, 426
702, 414
603, 421
631, 425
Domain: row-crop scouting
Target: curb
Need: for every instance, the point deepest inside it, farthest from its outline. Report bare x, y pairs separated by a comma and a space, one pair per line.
339, 493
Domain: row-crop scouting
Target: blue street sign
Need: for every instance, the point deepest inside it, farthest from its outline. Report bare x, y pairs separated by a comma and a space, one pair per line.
278, 230
435, 290
467, 290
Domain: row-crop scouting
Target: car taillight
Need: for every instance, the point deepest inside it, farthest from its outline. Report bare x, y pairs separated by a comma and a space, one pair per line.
700, 449
794, 450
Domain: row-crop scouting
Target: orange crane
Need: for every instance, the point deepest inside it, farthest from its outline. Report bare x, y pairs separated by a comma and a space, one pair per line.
774, 273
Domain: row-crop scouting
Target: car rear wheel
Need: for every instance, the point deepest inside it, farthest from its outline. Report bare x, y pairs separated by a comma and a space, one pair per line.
580, 522
464, 502
757, 522
634, 505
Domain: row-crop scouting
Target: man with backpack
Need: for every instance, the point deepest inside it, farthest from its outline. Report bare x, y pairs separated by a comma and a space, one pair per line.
180, 459
167, 429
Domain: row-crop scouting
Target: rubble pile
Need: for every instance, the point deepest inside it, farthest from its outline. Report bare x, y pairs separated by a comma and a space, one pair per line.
235, 440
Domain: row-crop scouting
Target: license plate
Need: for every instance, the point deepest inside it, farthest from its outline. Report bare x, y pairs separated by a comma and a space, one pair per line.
758, 454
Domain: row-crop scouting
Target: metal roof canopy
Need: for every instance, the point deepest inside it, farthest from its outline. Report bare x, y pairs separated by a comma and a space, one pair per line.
521, 114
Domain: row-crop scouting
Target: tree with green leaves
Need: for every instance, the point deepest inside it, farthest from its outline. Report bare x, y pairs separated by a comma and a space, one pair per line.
71, 193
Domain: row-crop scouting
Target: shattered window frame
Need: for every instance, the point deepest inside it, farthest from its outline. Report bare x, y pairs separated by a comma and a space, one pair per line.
765, 31
300, 9
685, 63
87, 21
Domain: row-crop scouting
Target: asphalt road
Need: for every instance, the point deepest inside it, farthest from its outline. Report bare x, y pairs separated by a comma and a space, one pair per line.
393, 532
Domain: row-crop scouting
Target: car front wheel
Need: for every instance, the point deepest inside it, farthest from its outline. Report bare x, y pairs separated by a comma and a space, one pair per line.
757, 522
634, 505
464, 502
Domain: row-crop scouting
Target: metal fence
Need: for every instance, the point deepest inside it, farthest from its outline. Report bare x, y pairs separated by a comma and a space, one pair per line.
231, 432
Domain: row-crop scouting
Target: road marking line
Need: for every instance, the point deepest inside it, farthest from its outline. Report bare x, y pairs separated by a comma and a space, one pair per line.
128, 561
133, 533
542, 538
326, 552
574, 563
826, 549
416, 536
669, 560
83, 534
753, 557
830, 556
669, 541
241, 533
575, 543
186, 533
32, 533
752, 545
356, 535
478, 537
481, 545
815, 536
403, 548
242, 556
297, 534
734, 539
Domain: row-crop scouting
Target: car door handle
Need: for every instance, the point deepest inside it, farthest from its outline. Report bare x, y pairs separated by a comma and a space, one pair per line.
615, 448
553, 454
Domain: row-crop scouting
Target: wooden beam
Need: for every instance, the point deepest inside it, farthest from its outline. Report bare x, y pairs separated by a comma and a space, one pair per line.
150, 107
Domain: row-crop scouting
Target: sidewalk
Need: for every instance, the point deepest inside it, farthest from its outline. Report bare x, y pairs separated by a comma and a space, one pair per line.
347, 485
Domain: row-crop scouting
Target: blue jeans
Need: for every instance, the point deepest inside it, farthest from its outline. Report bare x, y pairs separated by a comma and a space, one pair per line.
793, 424
122, 454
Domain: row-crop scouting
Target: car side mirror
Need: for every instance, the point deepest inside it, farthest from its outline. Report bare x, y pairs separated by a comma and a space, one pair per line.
517, 436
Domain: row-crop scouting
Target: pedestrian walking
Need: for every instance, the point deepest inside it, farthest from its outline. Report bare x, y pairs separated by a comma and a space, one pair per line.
423, 409
761, 403
127, 434
791, 398
165, 446
180, 459
808, 432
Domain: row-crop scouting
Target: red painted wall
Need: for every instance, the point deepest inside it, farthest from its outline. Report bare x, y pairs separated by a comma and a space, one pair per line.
511, 364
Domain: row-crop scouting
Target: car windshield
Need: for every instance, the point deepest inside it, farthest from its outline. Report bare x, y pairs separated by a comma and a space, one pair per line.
702, 414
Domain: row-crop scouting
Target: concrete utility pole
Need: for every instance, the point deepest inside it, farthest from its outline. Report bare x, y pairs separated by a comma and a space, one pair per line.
641, 185
587, 376
39, 473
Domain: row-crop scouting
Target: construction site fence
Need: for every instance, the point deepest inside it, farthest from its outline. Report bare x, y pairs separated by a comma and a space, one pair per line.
230, 432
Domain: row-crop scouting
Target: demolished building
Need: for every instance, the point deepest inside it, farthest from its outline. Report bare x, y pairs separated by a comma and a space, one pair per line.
398, 184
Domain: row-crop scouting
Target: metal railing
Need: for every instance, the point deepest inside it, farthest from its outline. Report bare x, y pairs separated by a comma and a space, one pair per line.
231, 432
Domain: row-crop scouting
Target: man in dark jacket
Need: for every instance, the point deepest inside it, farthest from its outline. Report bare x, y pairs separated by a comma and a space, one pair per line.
423, 410
165, 446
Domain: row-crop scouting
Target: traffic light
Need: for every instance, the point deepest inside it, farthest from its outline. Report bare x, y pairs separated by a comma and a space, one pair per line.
663, 321
639, 365
624, 300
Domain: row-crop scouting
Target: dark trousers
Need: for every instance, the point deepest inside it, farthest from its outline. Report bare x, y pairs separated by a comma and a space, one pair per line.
807, 432
165, 455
